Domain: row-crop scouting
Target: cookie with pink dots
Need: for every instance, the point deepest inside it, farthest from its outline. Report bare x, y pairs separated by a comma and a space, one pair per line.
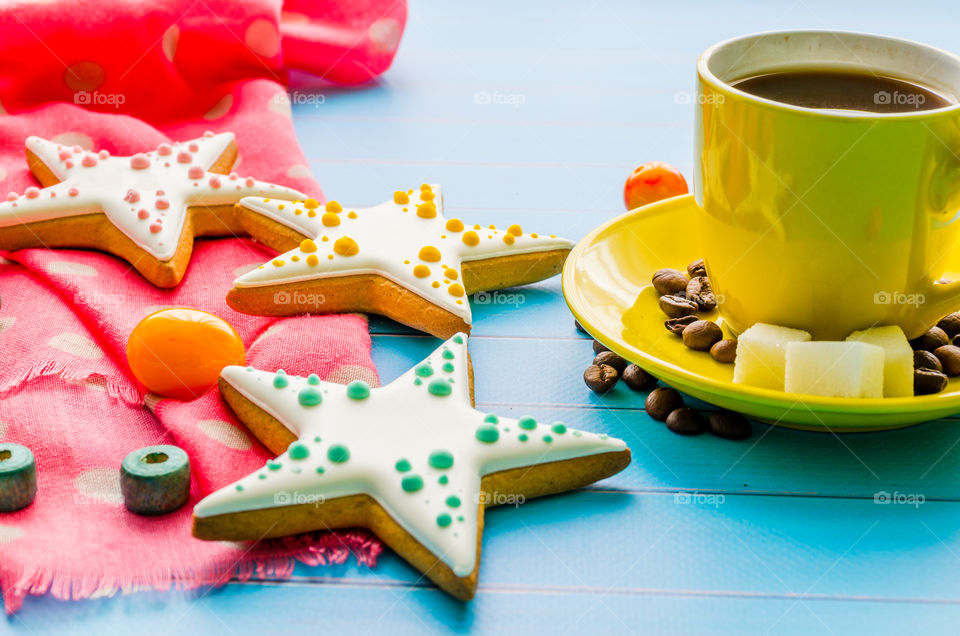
402, 259
146, 208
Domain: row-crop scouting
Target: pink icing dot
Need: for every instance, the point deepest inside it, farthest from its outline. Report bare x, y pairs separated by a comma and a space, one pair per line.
238, 186
132, 196
73, 192
103, 154
166, 164
77, 149
12, 196
164, 149
89, 161
142, 214
53, 194
196, 172
184, 157
249, 182
233, 176
32, 193
193, 147
208, 133
160, 193
155, 227
214, 182
69, 164
64, 155
162, 204
139, 161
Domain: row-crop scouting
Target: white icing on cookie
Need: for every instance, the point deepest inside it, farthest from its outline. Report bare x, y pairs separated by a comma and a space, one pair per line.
145, 196
390, 240
416, 446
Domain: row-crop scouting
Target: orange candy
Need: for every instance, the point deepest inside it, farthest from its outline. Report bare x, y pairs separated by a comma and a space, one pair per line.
179, 353
651, 182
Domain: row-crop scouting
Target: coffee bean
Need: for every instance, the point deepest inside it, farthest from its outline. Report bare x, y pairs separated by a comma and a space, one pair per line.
697, 268
677, 325
676, 306
600, 378
611, 359
669, 281
638, 379
579, 327
686, 421
598, 348
700, 291
950, 324
702, 334
927, 381
926, 360
949, 357
661, 402
935, 337
724, 350
729, 425
955, 341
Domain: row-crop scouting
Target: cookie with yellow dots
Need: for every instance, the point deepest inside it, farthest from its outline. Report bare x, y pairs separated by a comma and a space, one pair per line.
413, 461
402, 259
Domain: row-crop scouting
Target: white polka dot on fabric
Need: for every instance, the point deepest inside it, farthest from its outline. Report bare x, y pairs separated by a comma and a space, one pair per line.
3, 429
262, 38
225, 433
346, 373
71, 268
298, 171
385, 34
10, 533
74, 139
77, 345
96, 383
171, 38
100, 484
243, 269
6, 322
84, 76
280, 104
219, 109
273, 330
3, 174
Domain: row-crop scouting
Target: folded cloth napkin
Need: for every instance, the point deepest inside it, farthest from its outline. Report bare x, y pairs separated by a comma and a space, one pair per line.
125, 76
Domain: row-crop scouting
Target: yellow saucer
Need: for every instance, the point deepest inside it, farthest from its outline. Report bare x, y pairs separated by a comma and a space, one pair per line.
606, 283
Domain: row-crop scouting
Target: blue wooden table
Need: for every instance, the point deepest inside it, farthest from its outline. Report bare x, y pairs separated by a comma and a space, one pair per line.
535, 112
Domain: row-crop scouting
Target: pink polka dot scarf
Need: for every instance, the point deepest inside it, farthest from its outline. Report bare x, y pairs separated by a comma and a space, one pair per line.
126, 82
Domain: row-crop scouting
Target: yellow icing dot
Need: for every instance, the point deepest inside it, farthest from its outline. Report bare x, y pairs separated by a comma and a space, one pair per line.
351, 214
281, 206
427, 195
450, 273
330, 219
443, 236
406, 209
427, 210
406, 262
456, 289
509, 239
421, 271
401, 197
307, 246
471, 238
330, 256
425, 186
277, 263
325, 239
409, 191
459, 302
345, 246
491, 227
298, 211
534, 235
333, 206
311, 213
477, 226
310, 204
294, 258
454, 225
312, 260
429, 254
515, 230
266, 200
436, 283
489, 236
261, 267
553, 236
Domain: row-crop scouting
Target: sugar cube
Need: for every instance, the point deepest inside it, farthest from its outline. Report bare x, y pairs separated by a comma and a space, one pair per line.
897, 358
834, 369
761, 355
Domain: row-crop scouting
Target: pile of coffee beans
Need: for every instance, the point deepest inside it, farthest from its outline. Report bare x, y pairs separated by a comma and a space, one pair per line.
936, 356
608, 368
682, 296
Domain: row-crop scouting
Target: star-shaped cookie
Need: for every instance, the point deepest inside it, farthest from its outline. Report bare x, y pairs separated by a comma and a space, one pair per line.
413, 461
401, 259
146, 209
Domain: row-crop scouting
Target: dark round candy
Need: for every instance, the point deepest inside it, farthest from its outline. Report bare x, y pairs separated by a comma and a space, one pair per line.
155, 480
18, 477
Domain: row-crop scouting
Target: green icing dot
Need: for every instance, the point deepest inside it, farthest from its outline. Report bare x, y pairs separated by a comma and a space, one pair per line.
527, 423
280, 380
313, 379
453, 501
559, 428
317, 439
491, 419
458, 339
262, 476
448, 367
440, 459
411, 483
320, 470
604, 436
448, 355
522, 437
424, 370
402, 465
274, 465
577, 434
443, 480
488, 433
358, 390
309, 397
239, 487
439, 388
298, 451
444, 520
459, 517
547, 439
417, 381
338, 454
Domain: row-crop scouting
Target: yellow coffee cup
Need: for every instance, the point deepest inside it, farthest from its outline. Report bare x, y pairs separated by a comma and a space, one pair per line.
827, 220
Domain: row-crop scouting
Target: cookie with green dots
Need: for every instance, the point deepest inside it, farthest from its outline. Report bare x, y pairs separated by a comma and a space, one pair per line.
414, 461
